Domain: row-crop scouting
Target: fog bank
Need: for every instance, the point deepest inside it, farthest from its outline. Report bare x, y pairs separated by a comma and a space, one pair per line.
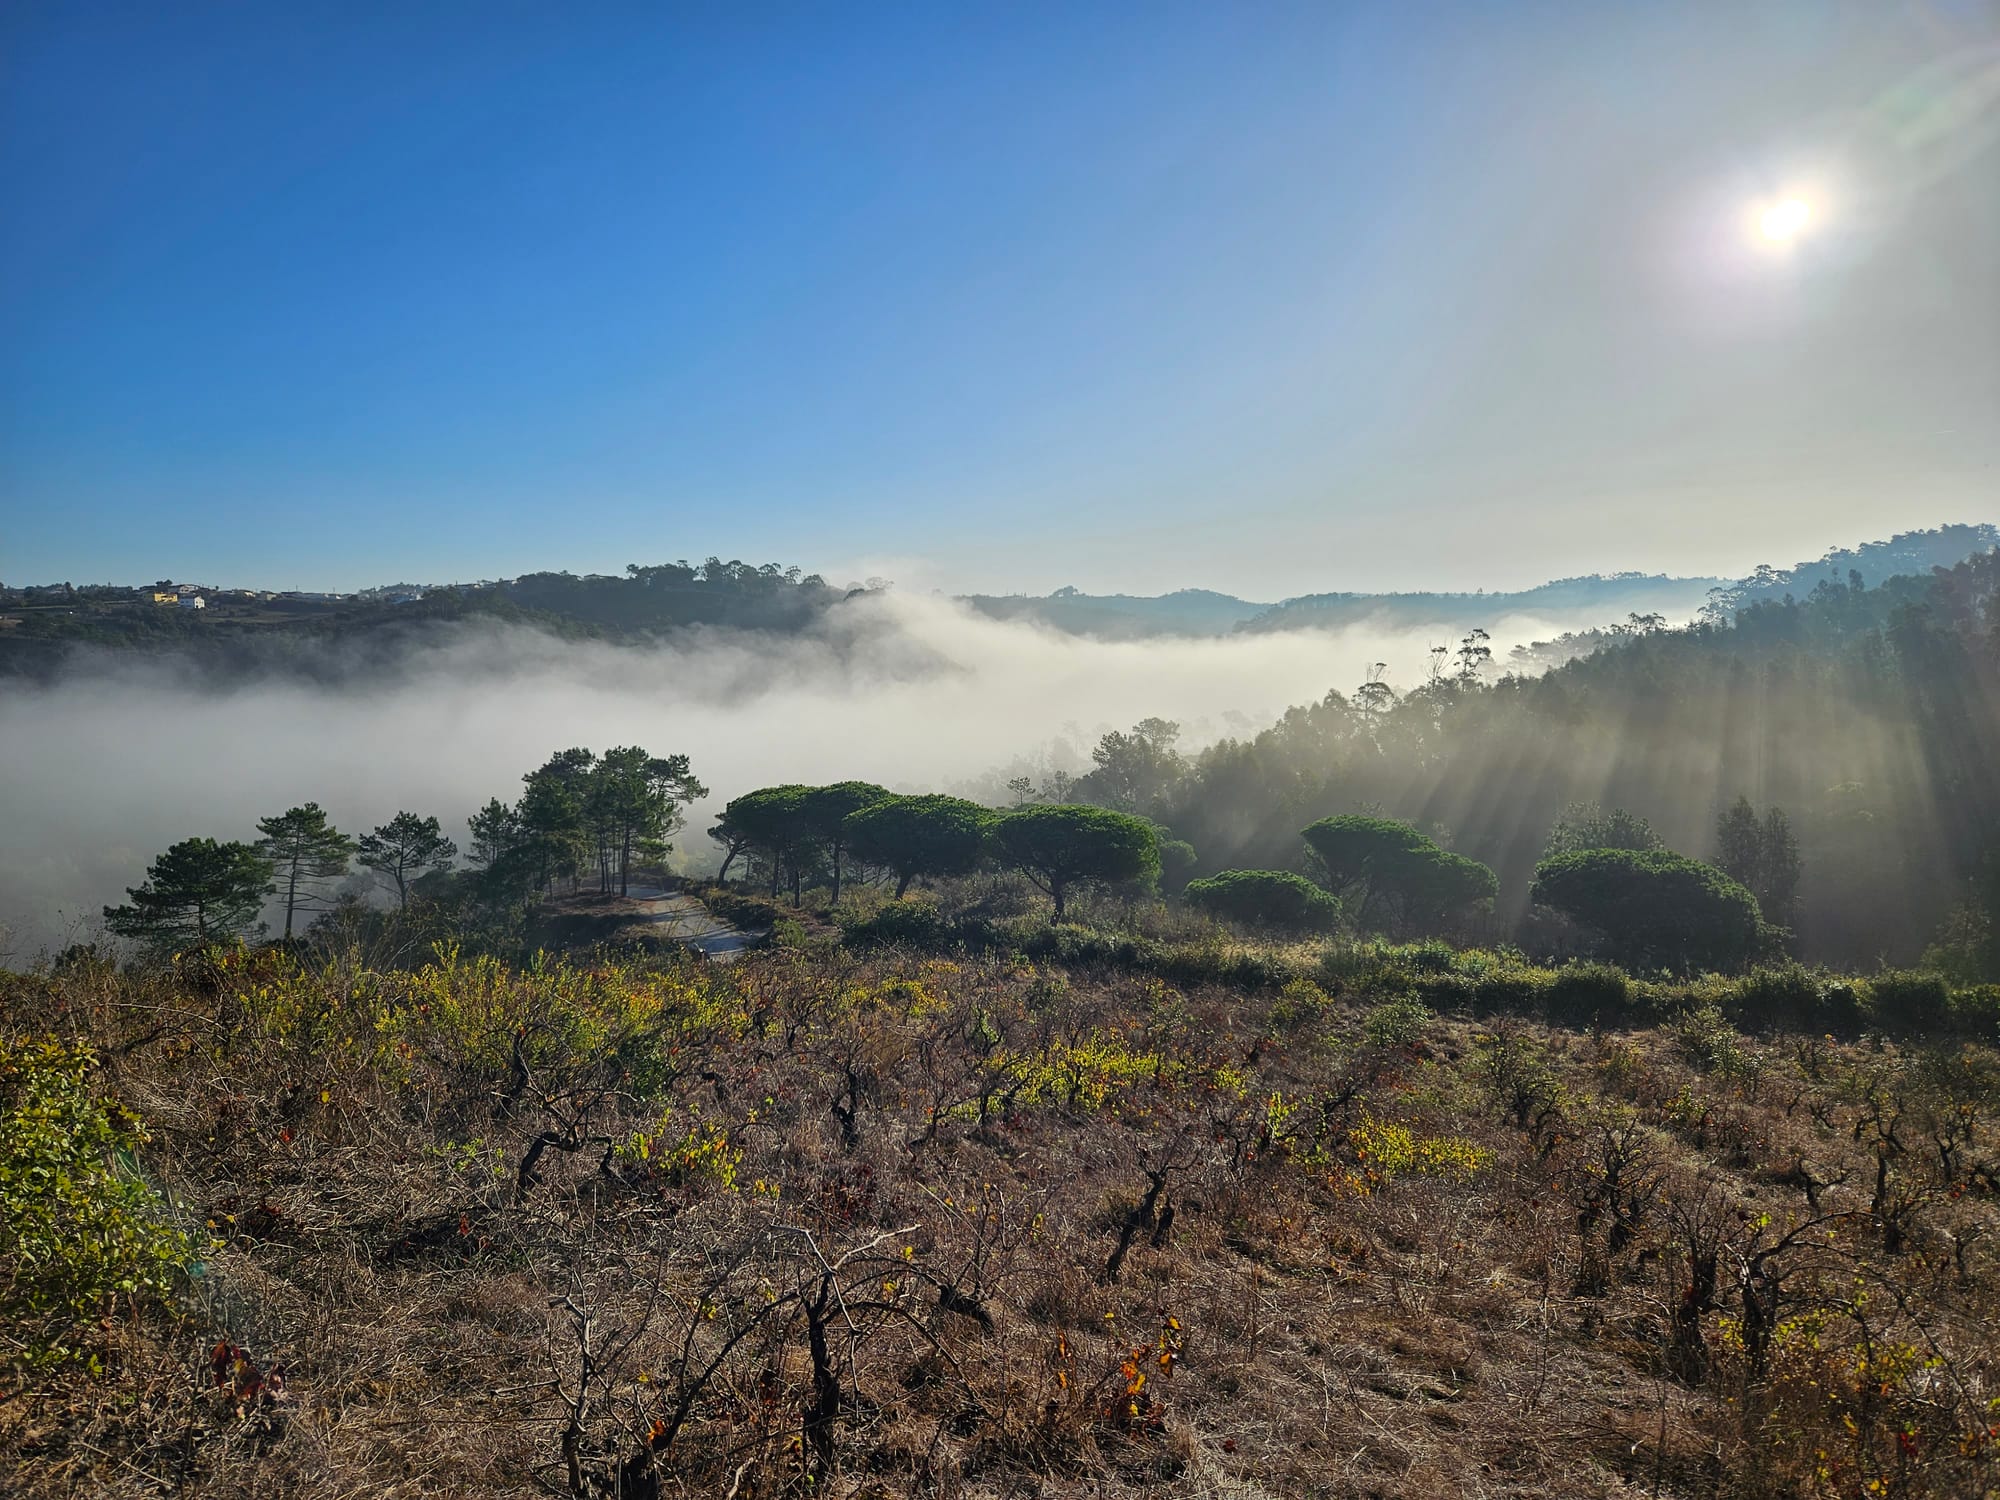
104, 769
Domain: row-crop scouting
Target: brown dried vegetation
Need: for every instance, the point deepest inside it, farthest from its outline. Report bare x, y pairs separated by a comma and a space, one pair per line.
887, 1225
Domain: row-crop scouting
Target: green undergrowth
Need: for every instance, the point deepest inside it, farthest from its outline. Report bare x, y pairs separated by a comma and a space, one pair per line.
1466, 982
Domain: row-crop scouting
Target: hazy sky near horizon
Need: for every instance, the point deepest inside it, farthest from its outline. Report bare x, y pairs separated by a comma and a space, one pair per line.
1268, 298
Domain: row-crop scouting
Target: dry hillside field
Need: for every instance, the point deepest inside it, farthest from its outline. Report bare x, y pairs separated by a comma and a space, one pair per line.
880, 1223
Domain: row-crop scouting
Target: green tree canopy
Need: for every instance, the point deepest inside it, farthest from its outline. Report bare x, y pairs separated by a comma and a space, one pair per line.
1762, 856
1389, 872
306, 852
404, 849
1585, 825
772, 820
199, 891
1135, 772
927, 836
1064, 846
826, 810
635, 800
1654, 908
554, 829
1266, 898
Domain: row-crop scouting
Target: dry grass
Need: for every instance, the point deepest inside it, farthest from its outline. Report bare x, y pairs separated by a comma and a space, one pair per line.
904, 1283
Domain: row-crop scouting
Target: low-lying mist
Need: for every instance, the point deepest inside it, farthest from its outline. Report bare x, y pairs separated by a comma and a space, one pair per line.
124, 755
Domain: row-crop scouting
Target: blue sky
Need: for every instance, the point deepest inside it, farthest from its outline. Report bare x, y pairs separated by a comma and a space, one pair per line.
1259, 297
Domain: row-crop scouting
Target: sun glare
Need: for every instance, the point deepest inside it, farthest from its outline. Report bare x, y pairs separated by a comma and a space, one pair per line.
1783, 222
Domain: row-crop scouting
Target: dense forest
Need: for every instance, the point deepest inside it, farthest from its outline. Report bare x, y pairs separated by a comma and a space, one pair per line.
1865, 716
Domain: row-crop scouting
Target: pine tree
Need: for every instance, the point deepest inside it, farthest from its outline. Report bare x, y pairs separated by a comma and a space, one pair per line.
305, 851
406, 848
198, 892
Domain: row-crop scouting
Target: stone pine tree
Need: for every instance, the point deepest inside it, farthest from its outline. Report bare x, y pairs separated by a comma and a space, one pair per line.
198, 892
1060, 848
307, 853
826, 810
772, 821
929, 836
404, 849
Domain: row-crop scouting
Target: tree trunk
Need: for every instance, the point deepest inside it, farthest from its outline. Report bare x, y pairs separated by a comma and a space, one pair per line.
836, 874
903, 883
824, 1409
1057, 890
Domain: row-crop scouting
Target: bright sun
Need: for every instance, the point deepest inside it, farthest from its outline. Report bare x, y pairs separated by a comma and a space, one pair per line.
1784, 221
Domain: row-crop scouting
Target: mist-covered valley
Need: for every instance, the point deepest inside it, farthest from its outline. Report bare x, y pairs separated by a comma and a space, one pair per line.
121, 755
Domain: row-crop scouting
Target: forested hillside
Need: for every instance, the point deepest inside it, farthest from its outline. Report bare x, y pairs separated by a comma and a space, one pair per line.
238, 634
1867, 716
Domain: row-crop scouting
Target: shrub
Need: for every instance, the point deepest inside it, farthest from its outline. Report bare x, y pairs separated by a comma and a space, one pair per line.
1266, 898
1298, 1003
1507, 990
78, 1231
1706, 1040
1791, 997
1432, 956
1588, 994
904, 924
1238, 968
1401, 1022
1783, 998
1446, 992
1909, 1000
1976, 1012
697, 1159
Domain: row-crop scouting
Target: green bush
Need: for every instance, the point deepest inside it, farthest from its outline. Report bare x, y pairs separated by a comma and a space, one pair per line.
1431, 956
78, 1232
1237, 968
900, 924
1265, 898
1791, 997
1401, 1022
1506, 991
1976, 1012
1704, 1037
1588, 994
1909, 1000
1448, 993
1301, 1002
1782, 998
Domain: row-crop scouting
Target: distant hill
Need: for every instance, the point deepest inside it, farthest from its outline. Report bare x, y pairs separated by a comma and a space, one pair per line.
1904, 554
1121, 617
242, 632
1612, 596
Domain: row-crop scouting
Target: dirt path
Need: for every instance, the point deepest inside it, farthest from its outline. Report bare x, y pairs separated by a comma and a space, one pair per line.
687, 920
